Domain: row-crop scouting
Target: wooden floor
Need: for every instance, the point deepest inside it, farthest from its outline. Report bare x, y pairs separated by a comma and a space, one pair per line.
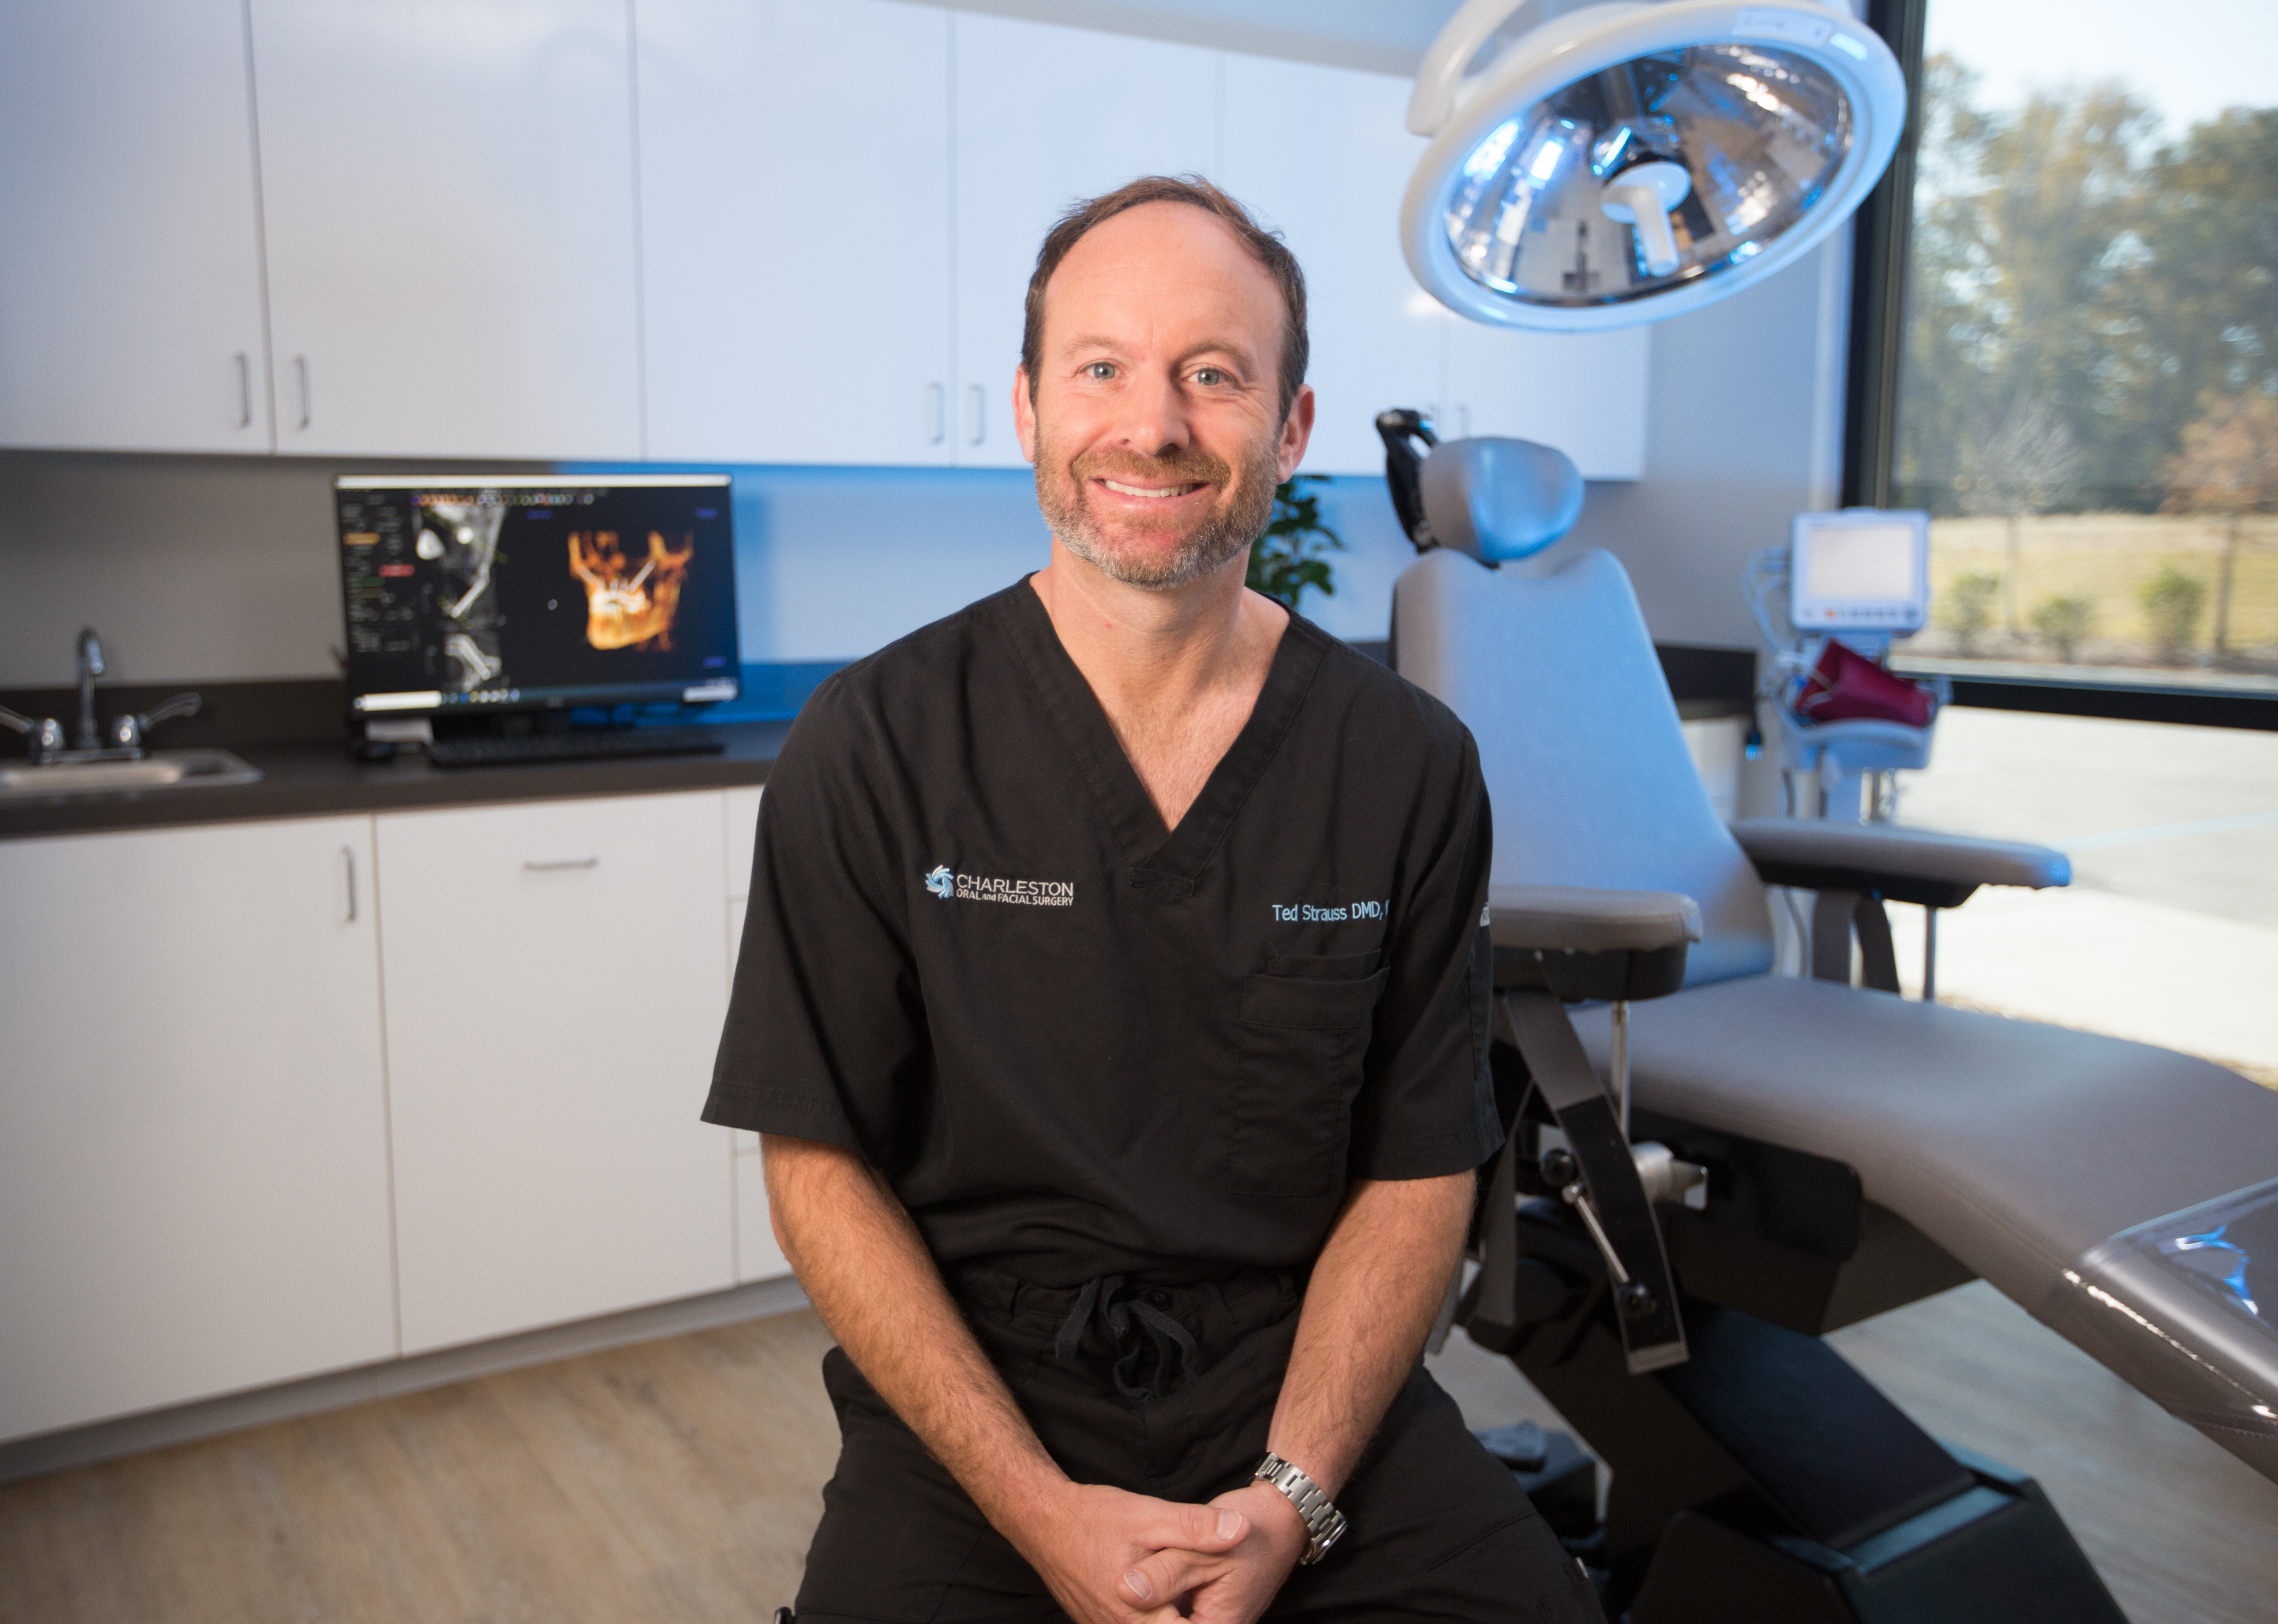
678, 1480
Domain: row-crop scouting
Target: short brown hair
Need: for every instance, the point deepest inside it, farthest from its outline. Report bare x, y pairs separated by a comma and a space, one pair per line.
1265, 247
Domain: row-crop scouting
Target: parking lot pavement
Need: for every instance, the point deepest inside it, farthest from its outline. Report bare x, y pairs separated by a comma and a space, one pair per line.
2169, 932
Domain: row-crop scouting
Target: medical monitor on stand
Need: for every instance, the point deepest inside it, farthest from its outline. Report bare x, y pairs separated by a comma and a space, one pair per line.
1861, 574
474, 595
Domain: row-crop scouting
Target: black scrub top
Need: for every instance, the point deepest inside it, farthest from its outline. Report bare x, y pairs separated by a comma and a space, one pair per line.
1075, 1044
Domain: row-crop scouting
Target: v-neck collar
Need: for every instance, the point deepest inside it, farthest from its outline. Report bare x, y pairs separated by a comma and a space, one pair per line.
1171, 862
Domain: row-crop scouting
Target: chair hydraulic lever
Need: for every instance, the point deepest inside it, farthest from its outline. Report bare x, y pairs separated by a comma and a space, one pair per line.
1600, 1175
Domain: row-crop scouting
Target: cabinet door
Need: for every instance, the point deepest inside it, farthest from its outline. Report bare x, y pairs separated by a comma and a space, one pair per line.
795, 237
1046, 115
554, 995
130, 262
1584, 392
447, 196
192, 1125
1324, 155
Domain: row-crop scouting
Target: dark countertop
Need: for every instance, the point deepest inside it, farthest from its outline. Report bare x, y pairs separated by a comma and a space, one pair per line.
315, 780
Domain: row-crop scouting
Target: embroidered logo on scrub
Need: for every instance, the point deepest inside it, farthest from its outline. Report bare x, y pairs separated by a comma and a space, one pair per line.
950, 886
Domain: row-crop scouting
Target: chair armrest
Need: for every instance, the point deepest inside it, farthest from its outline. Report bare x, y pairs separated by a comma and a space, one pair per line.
1906, 865
1580, 919
1582, 943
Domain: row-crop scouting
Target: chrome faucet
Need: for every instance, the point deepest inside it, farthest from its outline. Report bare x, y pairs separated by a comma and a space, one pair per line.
90, 666
128, 735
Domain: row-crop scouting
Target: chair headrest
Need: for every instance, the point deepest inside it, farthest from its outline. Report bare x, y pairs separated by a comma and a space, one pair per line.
1499, 499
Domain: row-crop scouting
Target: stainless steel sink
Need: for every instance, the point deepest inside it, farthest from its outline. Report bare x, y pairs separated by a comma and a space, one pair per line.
157, 770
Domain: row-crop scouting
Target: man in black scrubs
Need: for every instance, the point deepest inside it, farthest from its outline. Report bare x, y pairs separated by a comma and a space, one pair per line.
1113, 1002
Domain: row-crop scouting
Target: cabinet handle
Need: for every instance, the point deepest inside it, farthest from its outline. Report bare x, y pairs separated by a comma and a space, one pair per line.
532, 865
244, 391
347, 871
977, 415
1463, 421
300, 371
937, 414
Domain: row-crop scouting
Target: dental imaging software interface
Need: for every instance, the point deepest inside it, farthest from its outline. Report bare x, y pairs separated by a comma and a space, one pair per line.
534, 592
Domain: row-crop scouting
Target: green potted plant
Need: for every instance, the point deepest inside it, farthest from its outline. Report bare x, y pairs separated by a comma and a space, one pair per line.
1292, 554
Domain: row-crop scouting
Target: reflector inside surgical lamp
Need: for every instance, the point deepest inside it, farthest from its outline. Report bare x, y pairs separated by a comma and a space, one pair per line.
1615, 164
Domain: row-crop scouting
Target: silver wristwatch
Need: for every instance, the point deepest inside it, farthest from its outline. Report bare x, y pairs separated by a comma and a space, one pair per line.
1325, 1524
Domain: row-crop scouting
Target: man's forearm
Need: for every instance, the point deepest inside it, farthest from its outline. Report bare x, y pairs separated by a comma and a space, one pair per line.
1374, 1293
868, 1272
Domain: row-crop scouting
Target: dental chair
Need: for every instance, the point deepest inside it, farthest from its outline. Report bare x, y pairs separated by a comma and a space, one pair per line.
1694, 1193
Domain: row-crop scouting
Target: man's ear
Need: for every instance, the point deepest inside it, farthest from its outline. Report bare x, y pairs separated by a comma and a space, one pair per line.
1024, 413
1296, 431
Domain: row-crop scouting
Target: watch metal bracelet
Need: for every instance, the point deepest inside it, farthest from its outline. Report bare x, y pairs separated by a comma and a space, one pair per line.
1325, 1524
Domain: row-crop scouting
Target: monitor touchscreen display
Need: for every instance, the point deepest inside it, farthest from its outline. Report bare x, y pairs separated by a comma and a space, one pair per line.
528, 591
1863, 563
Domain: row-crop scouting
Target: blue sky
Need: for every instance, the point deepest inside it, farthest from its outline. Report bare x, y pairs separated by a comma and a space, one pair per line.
2189, 58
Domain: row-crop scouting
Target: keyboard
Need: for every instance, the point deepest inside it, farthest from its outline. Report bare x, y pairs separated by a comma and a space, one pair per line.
586, 744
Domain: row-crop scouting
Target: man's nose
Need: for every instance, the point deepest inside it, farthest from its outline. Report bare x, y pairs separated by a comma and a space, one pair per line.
1155, 415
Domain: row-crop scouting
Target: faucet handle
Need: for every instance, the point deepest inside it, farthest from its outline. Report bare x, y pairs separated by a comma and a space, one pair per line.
45, 734
128, 731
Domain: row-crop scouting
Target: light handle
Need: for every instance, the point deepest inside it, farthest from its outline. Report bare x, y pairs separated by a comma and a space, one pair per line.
1638, 204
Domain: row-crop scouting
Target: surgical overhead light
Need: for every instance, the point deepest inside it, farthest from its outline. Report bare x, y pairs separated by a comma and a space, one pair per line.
1618, 163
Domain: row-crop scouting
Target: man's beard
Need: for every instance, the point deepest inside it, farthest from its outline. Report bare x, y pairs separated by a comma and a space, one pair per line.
1225, 533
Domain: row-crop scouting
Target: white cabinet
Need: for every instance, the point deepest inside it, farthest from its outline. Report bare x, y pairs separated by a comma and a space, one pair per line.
1046, 115
431, 228
555, 986
1584, 392
448, 200
795, 180
1323, 155
130, 271
194, 1190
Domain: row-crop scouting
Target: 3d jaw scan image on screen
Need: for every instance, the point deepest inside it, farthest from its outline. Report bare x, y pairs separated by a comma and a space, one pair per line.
632, 609
533, 591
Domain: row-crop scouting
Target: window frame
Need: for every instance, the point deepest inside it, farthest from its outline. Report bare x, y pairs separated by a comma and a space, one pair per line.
1882, 238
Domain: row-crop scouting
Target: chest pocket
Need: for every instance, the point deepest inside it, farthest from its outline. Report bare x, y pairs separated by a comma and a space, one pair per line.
1304, 1031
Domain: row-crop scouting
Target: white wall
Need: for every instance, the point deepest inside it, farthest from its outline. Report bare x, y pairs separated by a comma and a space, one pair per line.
1743, 431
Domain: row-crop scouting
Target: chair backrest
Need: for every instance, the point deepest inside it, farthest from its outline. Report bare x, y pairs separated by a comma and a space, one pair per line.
1591, 781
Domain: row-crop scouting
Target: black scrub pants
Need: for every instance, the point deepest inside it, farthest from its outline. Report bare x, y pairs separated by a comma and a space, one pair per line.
1438, 1528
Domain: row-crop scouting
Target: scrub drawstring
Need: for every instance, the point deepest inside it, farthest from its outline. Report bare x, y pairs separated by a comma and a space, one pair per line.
1136, 1327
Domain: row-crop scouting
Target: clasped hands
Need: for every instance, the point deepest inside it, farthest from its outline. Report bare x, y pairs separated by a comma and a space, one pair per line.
1115, 1558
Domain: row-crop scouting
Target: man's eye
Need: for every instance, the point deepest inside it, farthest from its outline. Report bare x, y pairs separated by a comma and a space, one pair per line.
1209, 376
1100, 372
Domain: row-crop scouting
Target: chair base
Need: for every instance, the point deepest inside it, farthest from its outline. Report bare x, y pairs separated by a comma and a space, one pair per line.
1996, 1554
1766, 1480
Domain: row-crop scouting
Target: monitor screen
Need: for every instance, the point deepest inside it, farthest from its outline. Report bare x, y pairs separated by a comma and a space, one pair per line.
1860, 570
533, 591
1861, 562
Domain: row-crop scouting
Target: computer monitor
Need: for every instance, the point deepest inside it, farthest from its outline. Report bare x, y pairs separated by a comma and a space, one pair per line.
475, 592
1862, 570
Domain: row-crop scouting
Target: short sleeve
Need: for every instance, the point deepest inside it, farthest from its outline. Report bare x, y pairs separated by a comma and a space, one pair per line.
825, 1031
1426, 1107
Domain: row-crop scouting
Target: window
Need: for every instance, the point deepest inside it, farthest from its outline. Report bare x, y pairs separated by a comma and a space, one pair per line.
2087, 375
2066, 350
